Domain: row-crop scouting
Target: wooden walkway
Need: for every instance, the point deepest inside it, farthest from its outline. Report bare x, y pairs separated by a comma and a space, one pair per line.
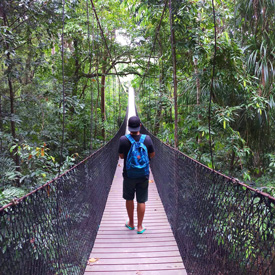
120, 251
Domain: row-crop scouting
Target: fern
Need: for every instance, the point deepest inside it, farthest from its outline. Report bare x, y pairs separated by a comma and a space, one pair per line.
7, 169
10, 193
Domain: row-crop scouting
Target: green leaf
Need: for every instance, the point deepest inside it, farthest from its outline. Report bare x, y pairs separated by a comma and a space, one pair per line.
13, 147
226, 36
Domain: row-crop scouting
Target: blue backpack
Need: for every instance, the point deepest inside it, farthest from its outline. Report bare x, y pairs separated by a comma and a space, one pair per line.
137, 164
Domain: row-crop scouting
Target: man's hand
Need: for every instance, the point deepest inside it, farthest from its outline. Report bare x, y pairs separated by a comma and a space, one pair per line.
121, 156
151, 155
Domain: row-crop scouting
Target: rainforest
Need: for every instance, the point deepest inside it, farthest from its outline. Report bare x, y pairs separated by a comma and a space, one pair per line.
203, 74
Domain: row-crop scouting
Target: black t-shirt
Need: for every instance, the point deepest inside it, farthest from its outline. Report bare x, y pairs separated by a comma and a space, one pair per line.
125, 145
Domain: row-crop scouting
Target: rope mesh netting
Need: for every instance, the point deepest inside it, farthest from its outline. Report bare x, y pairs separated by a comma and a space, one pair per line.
221, 226
52, 230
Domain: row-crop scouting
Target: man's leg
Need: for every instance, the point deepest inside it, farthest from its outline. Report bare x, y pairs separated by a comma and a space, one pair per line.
140, 215
130, 211
142, 197
129, 195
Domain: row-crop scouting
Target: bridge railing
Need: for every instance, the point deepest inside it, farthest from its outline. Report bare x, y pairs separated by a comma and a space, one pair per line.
52, 229
221, 225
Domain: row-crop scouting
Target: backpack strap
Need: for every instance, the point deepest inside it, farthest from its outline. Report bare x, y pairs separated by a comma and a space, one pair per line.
142, 138
130, 138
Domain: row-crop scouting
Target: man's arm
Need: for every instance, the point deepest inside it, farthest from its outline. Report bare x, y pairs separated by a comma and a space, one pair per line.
121, 156
120, 148
150, 147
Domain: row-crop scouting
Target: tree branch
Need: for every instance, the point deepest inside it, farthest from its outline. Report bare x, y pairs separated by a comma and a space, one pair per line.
92, 75
118, 62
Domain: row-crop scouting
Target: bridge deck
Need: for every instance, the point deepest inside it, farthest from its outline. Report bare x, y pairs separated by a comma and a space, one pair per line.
118, 250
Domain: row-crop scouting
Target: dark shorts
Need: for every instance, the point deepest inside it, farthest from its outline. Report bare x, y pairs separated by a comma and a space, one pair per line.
138, 186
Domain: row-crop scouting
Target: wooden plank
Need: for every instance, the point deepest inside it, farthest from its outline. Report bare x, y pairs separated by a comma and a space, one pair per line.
144, 272
147, 223
135, 244
112, 231
135, 255
153, 216
149, 212
133, 239
122, 267
119, 250
134, 249
120, 201
116, 225
128, 261
118, 214
116, 207
150, 215
153, 219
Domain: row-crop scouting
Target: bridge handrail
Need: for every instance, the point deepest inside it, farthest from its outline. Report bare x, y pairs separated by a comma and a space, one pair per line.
221, 225
16, 201
232, 179
52, 229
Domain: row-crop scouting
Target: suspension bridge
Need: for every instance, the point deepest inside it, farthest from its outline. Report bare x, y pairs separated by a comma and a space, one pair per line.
199, 221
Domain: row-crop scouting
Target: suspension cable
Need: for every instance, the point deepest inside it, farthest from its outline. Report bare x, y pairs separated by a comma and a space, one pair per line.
212, 83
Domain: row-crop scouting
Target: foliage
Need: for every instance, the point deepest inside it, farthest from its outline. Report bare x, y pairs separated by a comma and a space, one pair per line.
242, 114
32, 83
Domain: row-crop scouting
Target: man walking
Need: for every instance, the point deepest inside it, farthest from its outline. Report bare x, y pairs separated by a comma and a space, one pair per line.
135, 180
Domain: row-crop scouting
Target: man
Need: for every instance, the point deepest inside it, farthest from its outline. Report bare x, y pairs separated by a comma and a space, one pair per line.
135, 185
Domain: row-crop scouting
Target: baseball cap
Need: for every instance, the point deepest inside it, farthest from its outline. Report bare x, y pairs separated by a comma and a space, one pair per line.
134, 124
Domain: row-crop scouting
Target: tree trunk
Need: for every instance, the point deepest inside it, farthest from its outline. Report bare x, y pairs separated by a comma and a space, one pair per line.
102, 93
98, 93
28, 73
159, 109
255, 7
84, 137
262, 81
92, 118
1, 123
76, 73
198, 94
264, 19
90, 68
12, 111
263, 57
232, 161
174, 72
13, 130
119, 105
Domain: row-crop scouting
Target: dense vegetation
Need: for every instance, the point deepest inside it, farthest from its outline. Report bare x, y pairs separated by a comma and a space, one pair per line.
31, 107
